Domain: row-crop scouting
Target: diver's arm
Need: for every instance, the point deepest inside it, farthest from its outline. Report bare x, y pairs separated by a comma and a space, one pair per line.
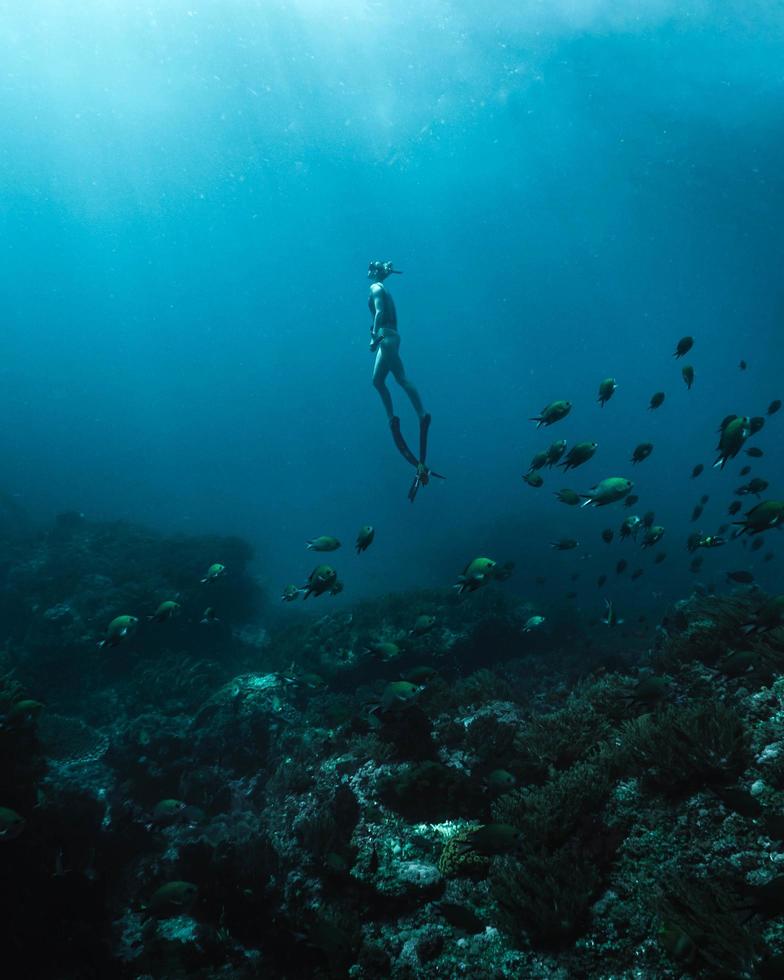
378, 305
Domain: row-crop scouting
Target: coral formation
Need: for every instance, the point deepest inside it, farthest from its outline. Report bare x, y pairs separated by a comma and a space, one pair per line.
346, 795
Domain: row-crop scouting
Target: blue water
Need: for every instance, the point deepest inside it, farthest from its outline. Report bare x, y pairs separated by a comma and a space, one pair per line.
191, 192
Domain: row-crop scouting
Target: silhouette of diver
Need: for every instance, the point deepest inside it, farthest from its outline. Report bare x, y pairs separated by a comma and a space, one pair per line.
385, 343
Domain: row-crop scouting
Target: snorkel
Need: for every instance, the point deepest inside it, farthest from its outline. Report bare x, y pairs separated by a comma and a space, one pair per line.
380, 270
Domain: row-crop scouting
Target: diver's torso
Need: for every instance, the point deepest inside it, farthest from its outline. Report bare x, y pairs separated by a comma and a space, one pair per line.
388, 315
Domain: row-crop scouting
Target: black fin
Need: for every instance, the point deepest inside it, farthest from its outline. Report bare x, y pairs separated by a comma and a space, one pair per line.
400, 442
424, 425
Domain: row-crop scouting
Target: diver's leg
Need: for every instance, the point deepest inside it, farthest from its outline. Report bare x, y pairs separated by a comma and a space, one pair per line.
380, 371
399, 374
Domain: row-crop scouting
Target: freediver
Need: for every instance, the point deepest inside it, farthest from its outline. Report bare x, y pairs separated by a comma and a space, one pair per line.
385, 343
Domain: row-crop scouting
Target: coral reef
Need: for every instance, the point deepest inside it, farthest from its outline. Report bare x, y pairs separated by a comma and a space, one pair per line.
346, 796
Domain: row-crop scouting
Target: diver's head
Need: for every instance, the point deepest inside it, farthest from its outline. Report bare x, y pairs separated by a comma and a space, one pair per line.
378, 271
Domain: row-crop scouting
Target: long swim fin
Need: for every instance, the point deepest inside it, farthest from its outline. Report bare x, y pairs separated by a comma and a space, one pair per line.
424, 426
400, 442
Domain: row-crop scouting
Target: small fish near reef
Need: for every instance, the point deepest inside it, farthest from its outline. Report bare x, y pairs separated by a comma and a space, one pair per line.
552, 413
607, 389
607, 491
120, 628
323, 543
365, 538
683, 346
214, 572
579, 454
477, 573
610, 617
11, 824
322, 579
166, 610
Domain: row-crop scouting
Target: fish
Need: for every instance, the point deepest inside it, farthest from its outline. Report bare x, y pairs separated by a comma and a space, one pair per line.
610, 617
746, 578
555, 451
636, 573
756, 422
532, 623
533, 480
755, 452
768, 617
208, 616
731, 440
569, 497
762, 517
687, 371
683, 346
166, 610
12, 824
538, 461
696, 513
629, 527
120, 628
631, 500
385, 651
565, 544
606, 390
657, 400
774, 406
652, 536
745, 471
323, 543
607, 491
398, 695
755, 486
290, 593
607, 535
660, 557
641, 452
552, 413
476, 574
365, 538
742, 365
734, 507
697, 470
423, 624
579, 454
23, 712
621, 566
322, 579
214, 572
